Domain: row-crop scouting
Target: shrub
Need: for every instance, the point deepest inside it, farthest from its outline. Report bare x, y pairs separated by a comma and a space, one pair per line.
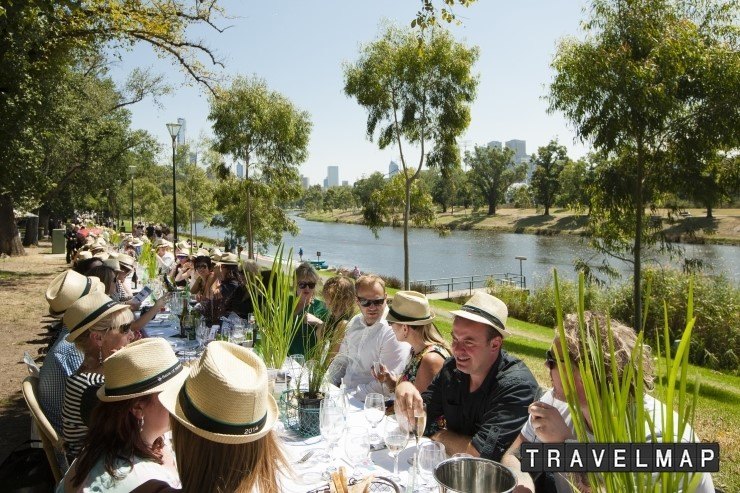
515, 299
422, 288
392, 282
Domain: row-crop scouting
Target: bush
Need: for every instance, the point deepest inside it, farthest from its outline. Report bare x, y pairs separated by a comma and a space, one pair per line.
392, 282
422, 288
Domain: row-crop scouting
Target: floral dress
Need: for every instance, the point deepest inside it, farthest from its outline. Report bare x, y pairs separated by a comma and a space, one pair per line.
412, 367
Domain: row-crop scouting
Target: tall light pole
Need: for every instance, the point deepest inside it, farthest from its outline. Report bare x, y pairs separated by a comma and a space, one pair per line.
132, 170
174, 129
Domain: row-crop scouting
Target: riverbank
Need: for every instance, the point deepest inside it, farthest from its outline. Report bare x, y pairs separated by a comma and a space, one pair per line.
694, 228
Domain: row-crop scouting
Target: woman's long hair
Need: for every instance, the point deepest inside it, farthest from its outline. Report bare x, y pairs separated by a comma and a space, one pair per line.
207, 466
114, 435
430, 334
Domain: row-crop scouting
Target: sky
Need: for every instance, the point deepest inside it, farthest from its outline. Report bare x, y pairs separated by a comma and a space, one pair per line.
299, 47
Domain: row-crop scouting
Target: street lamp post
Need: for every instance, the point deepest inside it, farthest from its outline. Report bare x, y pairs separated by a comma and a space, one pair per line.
522, 284
174, 129
132, 170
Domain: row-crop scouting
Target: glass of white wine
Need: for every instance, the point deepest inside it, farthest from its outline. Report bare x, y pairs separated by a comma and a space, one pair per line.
417, 428
374, 412
396, 438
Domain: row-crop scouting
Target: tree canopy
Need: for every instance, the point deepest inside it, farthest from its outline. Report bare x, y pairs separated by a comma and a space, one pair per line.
492, 172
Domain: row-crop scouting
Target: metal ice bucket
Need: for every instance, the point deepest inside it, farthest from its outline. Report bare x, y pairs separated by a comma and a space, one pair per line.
473, 475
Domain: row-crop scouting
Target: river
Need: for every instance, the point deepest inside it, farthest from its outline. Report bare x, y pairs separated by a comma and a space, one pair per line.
465, 252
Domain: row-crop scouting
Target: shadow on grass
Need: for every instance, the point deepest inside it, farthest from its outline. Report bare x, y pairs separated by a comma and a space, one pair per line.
532, 221
15, 423
687, 228
467, 222
570, 223
706, 390
529, 347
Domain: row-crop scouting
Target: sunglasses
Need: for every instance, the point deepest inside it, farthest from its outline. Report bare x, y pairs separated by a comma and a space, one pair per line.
550, 361
304, 285
201, 266
124, 329
366, 303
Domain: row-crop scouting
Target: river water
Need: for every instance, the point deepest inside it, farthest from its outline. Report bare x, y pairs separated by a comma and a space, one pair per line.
465, 252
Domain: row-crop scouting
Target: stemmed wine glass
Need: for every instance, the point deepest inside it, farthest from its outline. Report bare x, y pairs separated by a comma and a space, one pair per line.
429, 456
417, 427
357, 445
332, 421
374, 413
396, 437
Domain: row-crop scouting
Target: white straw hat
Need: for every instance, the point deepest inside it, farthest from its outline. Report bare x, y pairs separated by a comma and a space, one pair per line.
485, 309
126, 261
88, 310
146, 366
229, 259
68, 287
136, 242
225, 397
410, 308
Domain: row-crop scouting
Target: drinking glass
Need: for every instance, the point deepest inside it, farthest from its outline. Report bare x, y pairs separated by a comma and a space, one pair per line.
248, 338
417, 427
201, 334
396, 437
374, 413
237, 335
331, 424
430, 455
357, 445
297, 362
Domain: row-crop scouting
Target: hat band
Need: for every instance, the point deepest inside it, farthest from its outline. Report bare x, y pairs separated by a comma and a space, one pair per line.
94, 314
145, 385
88, 283
207, 423
482, 313
404, 318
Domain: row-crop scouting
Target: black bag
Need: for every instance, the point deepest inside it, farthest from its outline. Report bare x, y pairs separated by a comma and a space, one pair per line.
26, 470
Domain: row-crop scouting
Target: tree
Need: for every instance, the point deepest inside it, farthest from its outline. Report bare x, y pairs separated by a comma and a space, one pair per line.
417, 92
548, 163
313, 198
492, 172
265, 131
364, 187
574, 185
716, 181
41, 42
648, 77
386, 204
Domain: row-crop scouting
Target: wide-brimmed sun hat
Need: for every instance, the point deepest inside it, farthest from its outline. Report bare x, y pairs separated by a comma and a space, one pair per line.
68, 287
225, 397
126, 261
101, 255
216, 254
87, 311
146, 366
228, 259
112, 263
162, 243
136, 242
201, 252
485, 309
410, 308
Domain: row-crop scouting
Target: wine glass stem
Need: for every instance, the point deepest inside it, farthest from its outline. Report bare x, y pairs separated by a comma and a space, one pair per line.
395, 465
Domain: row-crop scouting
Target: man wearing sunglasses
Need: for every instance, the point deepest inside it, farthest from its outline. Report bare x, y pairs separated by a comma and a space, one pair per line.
368, 339
478, 402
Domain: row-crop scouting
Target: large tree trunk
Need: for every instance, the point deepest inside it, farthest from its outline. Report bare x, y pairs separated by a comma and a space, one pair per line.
32, 232
406, 214
44, 220
10, 242
491, 207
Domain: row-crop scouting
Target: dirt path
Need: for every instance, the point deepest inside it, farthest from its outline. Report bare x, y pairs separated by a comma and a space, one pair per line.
23, 327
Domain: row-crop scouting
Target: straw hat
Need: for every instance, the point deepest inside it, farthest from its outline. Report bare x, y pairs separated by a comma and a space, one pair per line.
162, 243
410, 308
84, 255
146, 366
68, 287
225, 397
101, 255
201, 252
87, 311
184, 246
485, 309
216, 254
113, 264
126, 261
229, 259
136, 242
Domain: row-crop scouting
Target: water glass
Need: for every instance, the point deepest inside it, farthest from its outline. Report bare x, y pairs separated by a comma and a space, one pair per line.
396, 437
374, 411
430, 455
237, 335
357, 445
332, 421
297, 362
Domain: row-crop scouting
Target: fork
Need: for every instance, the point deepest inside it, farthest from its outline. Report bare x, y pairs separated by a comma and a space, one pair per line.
307, 456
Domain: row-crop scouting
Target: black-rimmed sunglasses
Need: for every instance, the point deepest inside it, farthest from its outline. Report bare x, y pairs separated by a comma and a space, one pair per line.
366, 303
550, 361
304, 285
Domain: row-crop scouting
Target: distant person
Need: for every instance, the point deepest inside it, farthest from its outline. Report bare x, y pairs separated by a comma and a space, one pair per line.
355, 273
478, 402
300, 254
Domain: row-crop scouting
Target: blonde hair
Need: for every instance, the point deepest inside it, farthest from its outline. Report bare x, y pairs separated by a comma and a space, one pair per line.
430, 335
207, 466
625, 340
368, 281
339, 294
113, 321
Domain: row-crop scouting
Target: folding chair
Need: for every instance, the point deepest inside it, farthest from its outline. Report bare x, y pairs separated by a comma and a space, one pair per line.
49, 438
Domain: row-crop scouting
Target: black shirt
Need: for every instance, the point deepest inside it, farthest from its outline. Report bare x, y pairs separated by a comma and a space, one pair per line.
493, 414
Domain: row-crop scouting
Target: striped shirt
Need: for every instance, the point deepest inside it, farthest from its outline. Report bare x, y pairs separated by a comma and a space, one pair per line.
74, 428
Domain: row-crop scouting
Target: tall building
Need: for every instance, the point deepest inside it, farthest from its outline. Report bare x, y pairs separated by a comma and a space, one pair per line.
326, 183
495, 143
181, 133
193, 157
392, 169
239, 170
304, 181
520, 150
332, 176
345, 183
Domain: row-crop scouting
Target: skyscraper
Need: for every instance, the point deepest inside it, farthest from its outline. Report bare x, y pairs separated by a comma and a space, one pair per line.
239, 170
520, 150
181, 134
332, 176
304, 181
392, 169
495, 143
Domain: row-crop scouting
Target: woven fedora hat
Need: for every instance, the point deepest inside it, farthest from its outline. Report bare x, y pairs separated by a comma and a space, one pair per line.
126, 261
88, 310
136, 242
68, 287
146, 366
410, 308
485, 309
229, 259
113, 264
225, 397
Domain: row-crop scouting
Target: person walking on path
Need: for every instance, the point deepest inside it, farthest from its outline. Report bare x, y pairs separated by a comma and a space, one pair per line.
300, 254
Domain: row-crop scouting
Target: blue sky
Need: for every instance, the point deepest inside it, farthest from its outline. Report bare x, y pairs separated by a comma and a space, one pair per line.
298, 47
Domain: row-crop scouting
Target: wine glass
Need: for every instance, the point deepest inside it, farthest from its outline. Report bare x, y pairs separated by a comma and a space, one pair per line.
297, 362
357, 445
374, 412
396, 437
201, 334
237, 335
430, 455
417, 427
332, 421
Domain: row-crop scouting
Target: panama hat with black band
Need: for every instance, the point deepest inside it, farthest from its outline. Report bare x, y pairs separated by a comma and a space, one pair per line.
410, 308
147, 366
68, 287
87, 311
485, 309
225, 397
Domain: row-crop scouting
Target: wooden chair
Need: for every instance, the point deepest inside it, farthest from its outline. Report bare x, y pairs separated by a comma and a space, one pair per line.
50, 440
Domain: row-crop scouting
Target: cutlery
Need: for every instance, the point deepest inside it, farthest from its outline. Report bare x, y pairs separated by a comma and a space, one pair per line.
307, 456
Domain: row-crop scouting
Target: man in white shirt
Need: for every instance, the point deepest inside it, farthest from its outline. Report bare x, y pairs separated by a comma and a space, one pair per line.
368, 339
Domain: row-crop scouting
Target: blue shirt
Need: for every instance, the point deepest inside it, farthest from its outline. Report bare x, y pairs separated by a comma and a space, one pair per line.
62, 360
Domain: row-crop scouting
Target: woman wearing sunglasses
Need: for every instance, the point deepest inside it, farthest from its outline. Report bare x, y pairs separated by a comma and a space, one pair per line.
311, 310
98, 326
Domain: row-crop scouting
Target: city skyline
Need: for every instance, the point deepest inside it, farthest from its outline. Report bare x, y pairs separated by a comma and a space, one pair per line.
513, 68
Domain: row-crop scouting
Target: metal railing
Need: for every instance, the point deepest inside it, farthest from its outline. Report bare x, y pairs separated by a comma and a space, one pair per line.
460, 283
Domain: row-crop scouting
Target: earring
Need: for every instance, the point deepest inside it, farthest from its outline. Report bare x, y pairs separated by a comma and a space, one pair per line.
100, 356
141, 423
